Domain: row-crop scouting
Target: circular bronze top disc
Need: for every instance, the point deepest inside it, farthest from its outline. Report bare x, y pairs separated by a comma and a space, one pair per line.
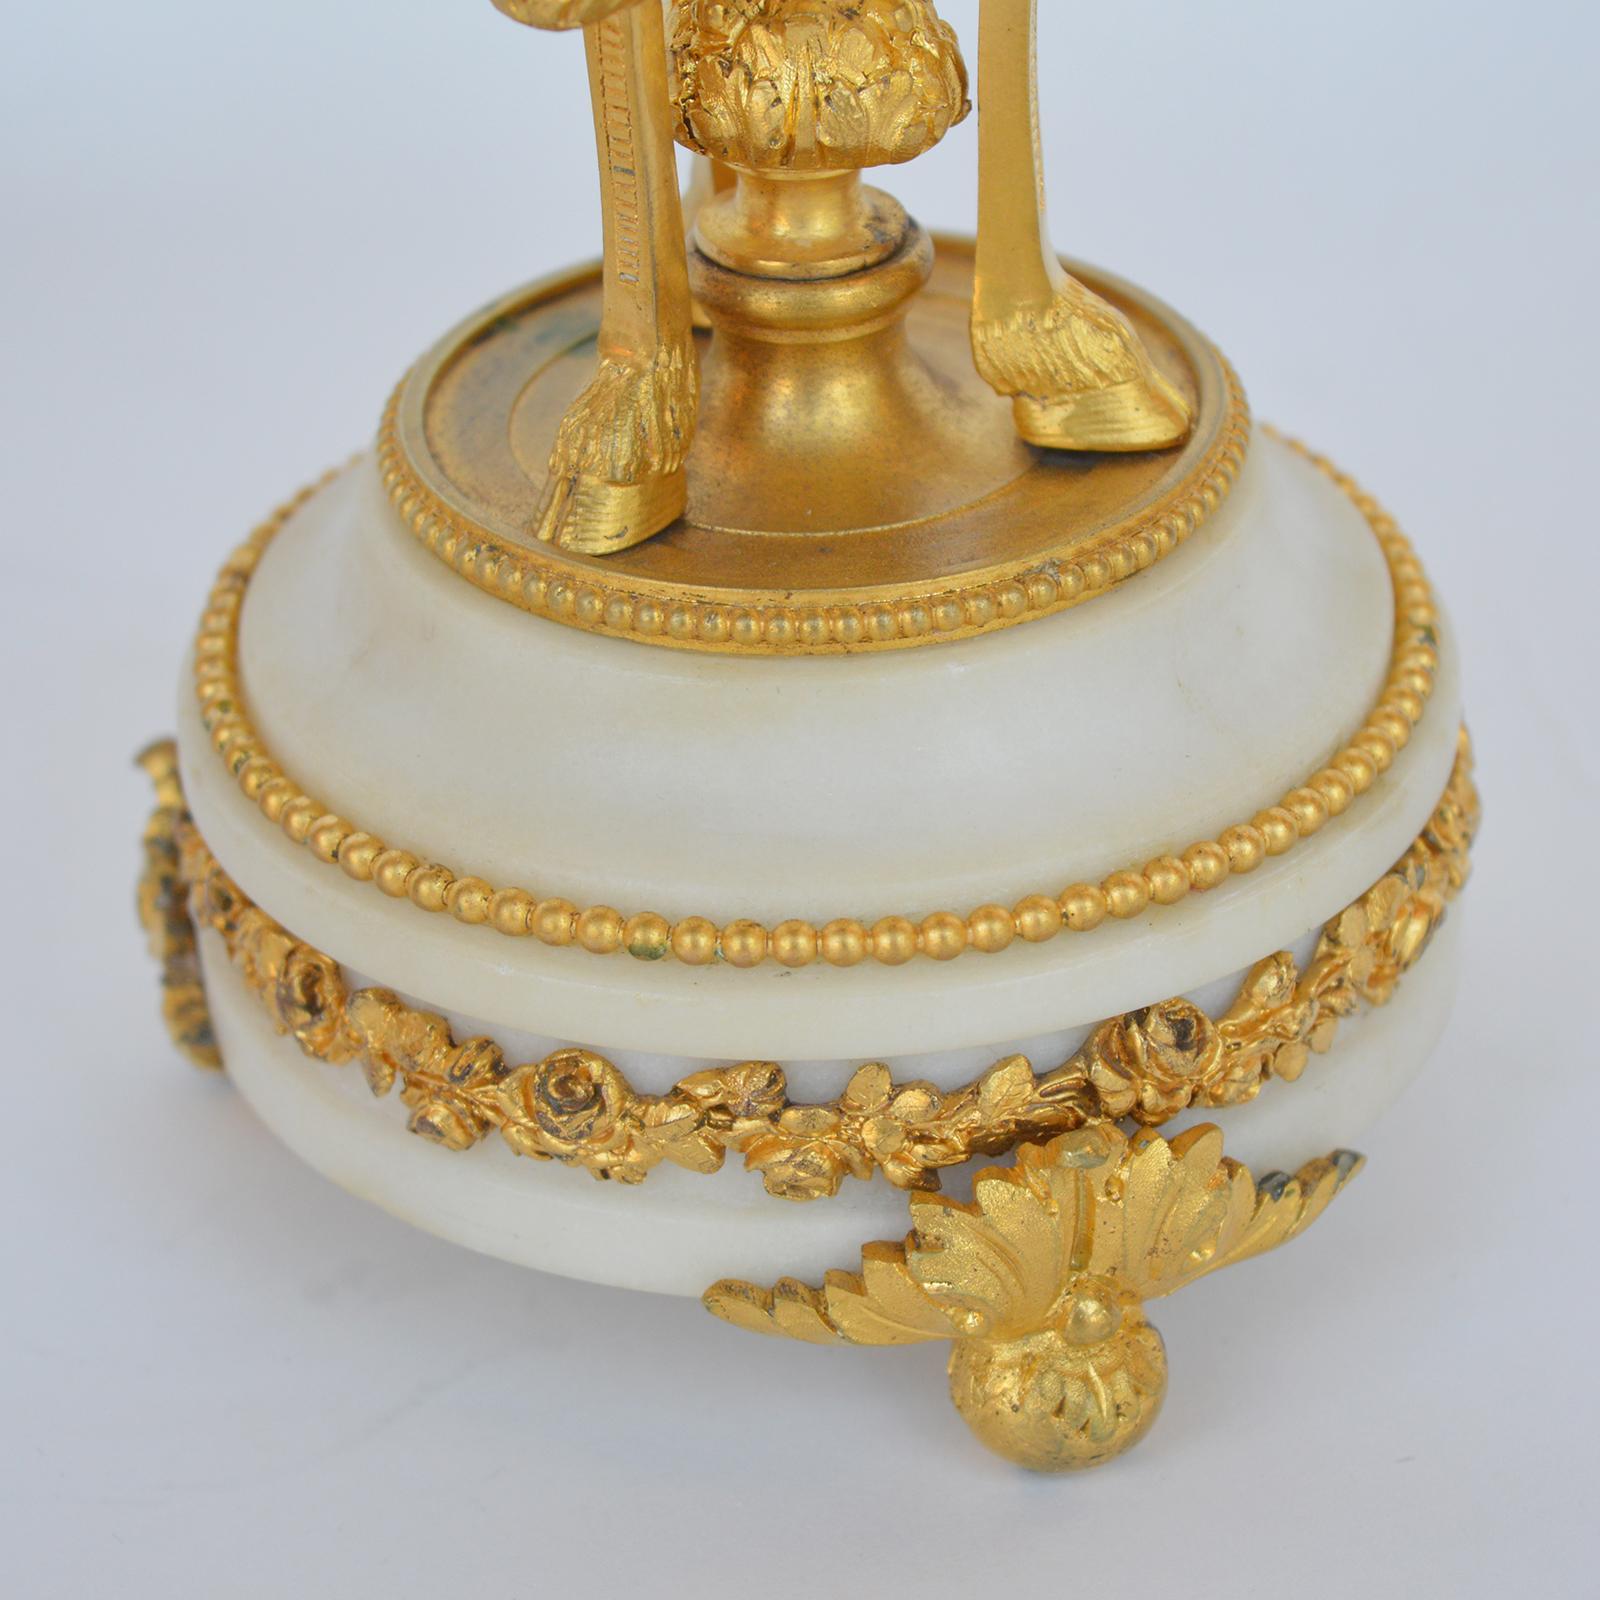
865, 505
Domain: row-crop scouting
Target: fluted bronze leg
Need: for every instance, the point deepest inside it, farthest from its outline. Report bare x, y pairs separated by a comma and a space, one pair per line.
616, 472
1078, 375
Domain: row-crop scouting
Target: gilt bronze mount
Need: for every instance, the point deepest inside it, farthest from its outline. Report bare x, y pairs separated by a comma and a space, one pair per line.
777, 419
823, 516
571, 900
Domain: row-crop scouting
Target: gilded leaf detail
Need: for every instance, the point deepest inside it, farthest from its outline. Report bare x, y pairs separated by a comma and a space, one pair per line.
1041, 1280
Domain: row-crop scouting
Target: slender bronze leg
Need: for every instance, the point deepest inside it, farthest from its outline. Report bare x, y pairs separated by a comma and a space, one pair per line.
1078, 375
617, 467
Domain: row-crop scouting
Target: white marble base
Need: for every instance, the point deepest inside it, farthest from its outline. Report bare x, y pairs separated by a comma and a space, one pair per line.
937, 778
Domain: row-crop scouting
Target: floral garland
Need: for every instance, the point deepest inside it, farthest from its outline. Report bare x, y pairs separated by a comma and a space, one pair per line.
577, 1107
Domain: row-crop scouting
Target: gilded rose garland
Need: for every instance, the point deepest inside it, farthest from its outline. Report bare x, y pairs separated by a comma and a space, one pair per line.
164, 914
576, 1107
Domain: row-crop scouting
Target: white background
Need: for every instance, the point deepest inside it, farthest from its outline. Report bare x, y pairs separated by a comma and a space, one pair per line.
224, 230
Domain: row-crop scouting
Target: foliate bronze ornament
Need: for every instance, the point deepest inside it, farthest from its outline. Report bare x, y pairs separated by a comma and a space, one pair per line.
1040, 1282
798, 86
576, 1107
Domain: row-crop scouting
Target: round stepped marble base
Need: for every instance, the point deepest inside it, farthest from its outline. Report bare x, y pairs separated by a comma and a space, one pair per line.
610, 772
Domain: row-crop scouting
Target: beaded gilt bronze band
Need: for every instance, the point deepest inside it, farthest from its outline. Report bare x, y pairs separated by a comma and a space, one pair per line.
576, 1107
602, 601
845, 941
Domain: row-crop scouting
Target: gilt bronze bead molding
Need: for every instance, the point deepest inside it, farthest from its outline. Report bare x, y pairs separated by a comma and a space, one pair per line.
609, 601
845, 941
576, 1107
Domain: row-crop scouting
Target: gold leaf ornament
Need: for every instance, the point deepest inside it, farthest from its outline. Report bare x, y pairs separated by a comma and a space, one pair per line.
798, 86
1041, 1281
